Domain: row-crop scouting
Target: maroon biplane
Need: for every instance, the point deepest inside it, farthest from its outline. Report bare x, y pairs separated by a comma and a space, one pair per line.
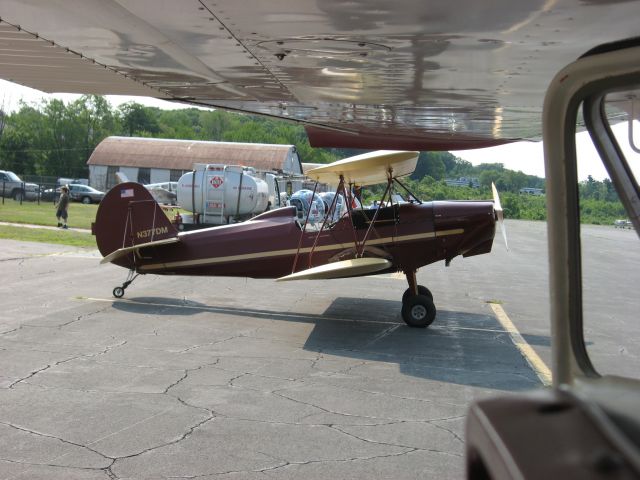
133, 232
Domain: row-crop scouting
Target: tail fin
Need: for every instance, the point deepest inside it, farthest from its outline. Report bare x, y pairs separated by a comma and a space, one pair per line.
129, 216
121, 177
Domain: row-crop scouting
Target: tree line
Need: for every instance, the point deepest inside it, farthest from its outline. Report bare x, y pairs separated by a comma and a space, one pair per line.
55, 138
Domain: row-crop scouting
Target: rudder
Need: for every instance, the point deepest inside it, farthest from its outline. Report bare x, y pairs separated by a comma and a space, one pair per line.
128, 216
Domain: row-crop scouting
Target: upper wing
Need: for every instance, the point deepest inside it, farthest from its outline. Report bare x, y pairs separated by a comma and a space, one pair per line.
367, 169
411, 75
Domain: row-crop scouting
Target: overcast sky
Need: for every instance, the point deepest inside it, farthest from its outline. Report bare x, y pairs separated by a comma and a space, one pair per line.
524, 156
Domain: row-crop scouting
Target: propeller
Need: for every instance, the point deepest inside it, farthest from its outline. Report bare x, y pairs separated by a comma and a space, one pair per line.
497, 207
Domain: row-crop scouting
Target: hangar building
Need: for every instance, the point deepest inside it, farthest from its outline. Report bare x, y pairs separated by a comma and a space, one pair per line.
155, 160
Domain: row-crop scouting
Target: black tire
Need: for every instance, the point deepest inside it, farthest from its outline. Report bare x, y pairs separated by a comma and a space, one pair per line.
118, 292
86, 200
422, 290
18, 195
418, 311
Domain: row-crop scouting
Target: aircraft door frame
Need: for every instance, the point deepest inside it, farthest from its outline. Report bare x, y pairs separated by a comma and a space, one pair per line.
588, 79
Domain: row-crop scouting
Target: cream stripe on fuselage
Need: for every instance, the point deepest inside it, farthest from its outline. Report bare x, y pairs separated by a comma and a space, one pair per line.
292, 251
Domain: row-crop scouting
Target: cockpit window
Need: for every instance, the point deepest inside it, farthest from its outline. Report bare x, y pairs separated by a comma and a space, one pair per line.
610, 247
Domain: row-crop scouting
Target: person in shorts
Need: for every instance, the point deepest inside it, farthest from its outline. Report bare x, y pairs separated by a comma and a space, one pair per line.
61, 207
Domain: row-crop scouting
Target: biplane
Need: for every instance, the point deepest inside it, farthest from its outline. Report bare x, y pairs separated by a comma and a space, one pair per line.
133, 232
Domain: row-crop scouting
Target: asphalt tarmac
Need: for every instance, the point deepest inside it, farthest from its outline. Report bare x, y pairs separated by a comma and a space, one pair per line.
234, 378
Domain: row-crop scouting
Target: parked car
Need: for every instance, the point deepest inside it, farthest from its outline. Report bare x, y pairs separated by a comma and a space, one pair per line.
11, 186
84, 193
623, 224
50, 194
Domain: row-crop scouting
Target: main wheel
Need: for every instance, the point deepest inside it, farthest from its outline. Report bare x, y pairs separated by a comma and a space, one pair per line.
18, 195
418, 311
422, 290
86, 200
118, 292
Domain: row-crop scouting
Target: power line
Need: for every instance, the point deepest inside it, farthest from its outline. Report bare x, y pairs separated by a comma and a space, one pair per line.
75, 149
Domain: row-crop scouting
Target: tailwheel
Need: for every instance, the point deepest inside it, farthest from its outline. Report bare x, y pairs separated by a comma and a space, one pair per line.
422, 290
418, 311
118, 292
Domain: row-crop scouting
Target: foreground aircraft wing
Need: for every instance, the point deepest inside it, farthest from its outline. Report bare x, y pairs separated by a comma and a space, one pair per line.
121, 252
346, 268
410, 75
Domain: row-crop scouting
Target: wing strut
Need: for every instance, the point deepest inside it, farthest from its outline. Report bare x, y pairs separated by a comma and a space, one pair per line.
328, 214
375, 215
348, 200
304, 227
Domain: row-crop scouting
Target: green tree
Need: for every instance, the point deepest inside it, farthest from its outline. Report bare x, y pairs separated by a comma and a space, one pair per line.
138, 120
15, 152
434, 164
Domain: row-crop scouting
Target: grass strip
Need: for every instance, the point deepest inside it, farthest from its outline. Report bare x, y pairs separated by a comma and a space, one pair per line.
80, 215
43, 235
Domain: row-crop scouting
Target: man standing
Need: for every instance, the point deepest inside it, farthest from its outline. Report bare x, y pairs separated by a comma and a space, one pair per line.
62, 206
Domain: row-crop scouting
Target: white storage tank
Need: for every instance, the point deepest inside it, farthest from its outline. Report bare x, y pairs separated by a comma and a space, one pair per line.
218, 192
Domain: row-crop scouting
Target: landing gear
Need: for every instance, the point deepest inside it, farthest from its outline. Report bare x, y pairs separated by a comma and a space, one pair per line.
118, 292
418, 309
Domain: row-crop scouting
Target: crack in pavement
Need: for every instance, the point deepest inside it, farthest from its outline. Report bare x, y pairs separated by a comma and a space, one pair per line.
451, 432
106, 470
388, 444
184, 436
81, 317
378, 393
340, 460
187, 371
46, 435
286, 464
280, 394
35, 372
316, 360
20, 259
13, 330
60, 362
59, 326
217, 342
244, 334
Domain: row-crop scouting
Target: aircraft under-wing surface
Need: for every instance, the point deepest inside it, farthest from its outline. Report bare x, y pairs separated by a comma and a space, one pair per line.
408, 75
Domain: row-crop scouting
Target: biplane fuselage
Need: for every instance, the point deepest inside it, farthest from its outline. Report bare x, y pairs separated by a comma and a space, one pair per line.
273, 244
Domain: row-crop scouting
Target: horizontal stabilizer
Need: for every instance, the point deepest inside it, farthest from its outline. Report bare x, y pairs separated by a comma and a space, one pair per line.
121, 252
346, 268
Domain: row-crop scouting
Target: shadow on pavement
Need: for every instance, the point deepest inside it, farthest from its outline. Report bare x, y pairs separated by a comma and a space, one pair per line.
460, 347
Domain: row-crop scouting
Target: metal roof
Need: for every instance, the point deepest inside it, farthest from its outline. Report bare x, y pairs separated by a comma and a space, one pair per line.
182, 154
